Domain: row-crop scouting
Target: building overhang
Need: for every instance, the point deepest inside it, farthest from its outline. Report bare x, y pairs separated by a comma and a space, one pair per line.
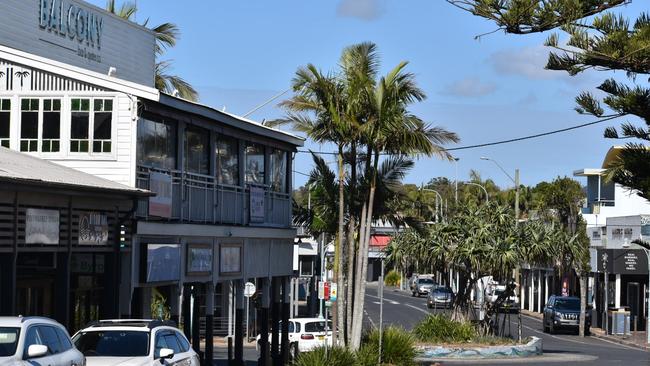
588, 172
149, 228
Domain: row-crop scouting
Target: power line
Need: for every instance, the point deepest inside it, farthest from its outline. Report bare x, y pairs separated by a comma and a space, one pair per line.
501, 142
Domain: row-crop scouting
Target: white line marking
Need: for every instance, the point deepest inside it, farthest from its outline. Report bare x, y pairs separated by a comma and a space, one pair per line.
372, 323
417, 308
385, 300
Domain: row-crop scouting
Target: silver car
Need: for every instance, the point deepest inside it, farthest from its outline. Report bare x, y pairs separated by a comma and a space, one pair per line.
36, 341
423, 286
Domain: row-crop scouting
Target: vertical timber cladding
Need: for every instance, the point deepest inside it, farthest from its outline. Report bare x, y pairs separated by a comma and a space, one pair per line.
79, 34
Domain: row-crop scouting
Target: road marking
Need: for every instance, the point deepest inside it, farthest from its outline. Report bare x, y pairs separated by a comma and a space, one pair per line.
417, 308
574, 341
372, 323
385, 300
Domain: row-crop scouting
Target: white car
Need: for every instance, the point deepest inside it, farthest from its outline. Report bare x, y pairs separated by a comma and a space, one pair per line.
36, 341
307, 333
134, 342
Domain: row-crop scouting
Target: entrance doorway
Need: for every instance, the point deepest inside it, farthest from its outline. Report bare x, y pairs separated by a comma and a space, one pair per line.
34, 297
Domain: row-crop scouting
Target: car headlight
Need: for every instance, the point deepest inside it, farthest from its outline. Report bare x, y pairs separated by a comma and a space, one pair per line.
558, 315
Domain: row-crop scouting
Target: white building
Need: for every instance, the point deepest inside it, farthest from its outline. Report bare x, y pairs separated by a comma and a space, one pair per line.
77, 88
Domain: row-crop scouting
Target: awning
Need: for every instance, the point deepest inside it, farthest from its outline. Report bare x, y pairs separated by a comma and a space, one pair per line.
379, 240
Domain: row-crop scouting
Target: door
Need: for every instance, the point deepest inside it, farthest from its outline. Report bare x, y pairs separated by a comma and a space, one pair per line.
34, 297
633, 301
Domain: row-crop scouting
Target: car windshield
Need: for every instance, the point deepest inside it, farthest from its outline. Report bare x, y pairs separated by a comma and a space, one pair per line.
113, 343
8, 341
317, 326
443, 290
567, 304
425, 281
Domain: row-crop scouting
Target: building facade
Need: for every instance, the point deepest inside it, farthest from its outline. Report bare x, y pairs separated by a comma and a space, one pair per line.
76, 88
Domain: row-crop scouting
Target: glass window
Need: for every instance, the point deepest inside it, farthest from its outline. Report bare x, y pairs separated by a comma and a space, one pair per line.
306, 267
80, 125
29, 124
51, 135
227, 155
5, 120
318, 326
627, 233
197, 150
32, 337
50, 339
168, 340
172, 343
617, 234
645, 230
182, 341
278, 166
157, 143
254, 163
64, 339
114, 343
103, 117
8, 341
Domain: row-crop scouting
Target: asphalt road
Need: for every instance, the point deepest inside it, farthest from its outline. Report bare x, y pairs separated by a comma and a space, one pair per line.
559, 349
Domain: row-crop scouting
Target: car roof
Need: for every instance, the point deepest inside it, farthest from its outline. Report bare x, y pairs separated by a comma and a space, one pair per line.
144, 325
19, 321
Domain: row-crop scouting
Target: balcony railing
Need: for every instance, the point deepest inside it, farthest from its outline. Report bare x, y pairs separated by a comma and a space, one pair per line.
199, 199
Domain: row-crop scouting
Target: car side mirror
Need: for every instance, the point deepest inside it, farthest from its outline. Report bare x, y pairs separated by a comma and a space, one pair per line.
36, 350
165, 354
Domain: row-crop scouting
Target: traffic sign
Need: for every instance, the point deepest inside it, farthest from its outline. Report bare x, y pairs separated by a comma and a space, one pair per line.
249, 289
333, 291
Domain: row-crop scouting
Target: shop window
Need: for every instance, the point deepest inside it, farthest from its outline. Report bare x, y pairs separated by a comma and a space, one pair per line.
157, 143
51, 135
227, 155
29, 124
595, 235
645, 230
617, 234
197, 150
254, 163
102, 126
5, 120
278, 166
627, 233
79, 125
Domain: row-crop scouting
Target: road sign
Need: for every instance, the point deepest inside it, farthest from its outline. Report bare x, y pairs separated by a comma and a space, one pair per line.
323, 290
328, 304
333, 291
249, 289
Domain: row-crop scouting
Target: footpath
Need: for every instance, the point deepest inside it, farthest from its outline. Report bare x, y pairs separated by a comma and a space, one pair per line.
636, 339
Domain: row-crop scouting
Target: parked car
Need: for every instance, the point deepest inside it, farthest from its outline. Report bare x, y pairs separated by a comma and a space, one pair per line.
134, 342
563, 313
511, 303
440, 296
36, 341
306, 334
423, 286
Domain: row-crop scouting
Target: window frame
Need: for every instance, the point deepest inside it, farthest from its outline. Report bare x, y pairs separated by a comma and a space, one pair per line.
91, 125
6, 141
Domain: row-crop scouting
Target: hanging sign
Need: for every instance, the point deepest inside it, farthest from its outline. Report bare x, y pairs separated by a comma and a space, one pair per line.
93, 228
333, 291
41, 226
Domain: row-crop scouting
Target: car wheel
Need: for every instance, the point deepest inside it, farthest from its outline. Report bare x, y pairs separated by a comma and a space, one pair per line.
413, 294
429, 306
551, 329
587, 331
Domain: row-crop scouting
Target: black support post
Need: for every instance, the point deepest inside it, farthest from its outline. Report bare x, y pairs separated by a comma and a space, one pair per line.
263, 318
284, 351
209, 324
196, 318
275, 322
186, 311
239, 323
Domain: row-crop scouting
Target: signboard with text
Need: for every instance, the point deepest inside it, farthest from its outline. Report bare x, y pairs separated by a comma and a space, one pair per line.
199, 259
257, 204
230, 259
77, 33
41, 226
93, 228
623, 261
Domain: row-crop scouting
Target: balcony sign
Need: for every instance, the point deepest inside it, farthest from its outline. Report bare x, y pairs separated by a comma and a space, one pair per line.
257, 204
93, 228
199, 259
230, 259
41, 226
160, 204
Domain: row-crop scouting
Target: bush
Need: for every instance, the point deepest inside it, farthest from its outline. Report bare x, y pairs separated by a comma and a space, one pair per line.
334, 356
440, 328
398, 348
392, 278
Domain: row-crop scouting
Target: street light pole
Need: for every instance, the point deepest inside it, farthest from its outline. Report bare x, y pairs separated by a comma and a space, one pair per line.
438, 206
456, 180
487, 197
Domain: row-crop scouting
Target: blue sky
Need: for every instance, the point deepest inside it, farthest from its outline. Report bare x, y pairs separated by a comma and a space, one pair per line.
240, 53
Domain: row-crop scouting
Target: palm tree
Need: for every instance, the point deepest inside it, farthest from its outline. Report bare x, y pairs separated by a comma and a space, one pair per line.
166, 36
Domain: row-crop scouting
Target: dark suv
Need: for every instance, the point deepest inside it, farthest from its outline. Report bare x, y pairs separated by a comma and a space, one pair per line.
563, 313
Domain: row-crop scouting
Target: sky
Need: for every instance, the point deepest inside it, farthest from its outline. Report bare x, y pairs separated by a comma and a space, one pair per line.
238, 54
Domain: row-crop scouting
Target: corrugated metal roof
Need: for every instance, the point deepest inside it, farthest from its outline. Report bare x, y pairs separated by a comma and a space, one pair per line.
19, 167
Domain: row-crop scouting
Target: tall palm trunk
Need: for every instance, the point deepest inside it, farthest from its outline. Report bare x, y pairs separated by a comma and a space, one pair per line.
363, 253
340, 308
352, 227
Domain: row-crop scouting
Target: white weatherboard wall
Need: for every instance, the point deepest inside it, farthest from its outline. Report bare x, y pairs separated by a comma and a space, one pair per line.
627, 203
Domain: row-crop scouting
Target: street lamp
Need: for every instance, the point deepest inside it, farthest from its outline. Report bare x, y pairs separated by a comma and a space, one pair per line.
514, 180
438, 206
487, 197
456, 180
646, 250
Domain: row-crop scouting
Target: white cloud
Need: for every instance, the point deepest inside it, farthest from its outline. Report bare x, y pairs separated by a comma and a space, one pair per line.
362, 9
528, 62
470, 86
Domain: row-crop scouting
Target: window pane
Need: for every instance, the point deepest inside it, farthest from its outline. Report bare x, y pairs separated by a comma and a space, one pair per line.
103, 126
197, 145
50, 339
79, 125
156, 143
64, 339
85, 104
172, 343
254, 163
29, 125
113, 343
5, 104
278, 171
51, 125
227, 155
185, 345
4, 118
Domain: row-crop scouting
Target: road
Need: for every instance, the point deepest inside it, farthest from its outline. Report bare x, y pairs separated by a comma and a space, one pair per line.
559, 349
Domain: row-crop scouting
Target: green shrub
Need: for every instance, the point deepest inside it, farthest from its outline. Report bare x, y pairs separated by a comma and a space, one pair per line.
392, 278
440, 328
334, 356
398, 348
